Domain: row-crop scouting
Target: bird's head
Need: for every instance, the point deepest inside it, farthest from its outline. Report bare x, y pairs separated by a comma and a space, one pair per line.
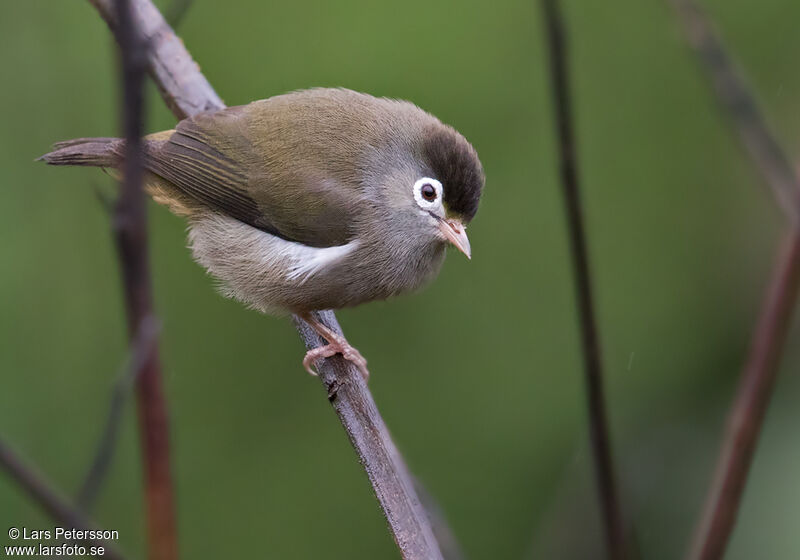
436, 188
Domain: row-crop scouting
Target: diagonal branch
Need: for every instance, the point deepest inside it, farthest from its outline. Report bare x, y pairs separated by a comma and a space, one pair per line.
48, 499
184, 88
187, 93
130, 230
749, 407
741, 107
757, 380
598, 422
176, 11
448, 544
141, 348
387, 472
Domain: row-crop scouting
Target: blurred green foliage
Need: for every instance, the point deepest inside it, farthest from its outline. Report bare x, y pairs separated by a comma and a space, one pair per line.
479, 376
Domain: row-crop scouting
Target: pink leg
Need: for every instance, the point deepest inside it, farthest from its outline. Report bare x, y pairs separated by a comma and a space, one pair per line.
337, 344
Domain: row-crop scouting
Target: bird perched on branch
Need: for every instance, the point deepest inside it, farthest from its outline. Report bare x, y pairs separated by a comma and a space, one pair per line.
317, 199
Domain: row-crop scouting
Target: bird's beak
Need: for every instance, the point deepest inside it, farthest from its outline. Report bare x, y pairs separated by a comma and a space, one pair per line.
455, 233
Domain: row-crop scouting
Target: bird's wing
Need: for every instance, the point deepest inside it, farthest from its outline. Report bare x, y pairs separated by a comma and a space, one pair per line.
259, 179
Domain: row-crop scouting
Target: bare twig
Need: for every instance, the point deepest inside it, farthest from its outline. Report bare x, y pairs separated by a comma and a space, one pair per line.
130, 228
187, 93
750, 406
183, 87
757, 379
49, 500
390, 478
598, 423
741, 107
140, 353
448, 543
176, 11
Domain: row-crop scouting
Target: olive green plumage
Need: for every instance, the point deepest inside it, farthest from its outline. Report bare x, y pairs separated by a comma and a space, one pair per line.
312, 200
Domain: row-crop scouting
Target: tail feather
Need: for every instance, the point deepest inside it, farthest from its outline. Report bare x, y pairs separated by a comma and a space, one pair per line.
93, 152
107, 153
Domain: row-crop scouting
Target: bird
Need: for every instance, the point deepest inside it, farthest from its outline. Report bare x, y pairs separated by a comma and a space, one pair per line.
317, 199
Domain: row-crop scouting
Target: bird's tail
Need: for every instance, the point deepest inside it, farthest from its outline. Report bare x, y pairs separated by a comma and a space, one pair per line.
108, 153
92, 152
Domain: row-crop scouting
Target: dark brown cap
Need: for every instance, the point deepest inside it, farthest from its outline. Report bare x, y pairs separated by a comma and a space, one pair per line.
455, 164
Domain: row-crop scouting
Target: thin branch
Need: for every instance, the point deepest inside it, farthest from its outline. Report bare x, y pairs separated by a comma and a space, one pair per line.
176, 11
141, 349
187, 92
184, 88
757, 380
749, 408
386, 470
598, 423
38, 488
130, 228
741, 107
448, 543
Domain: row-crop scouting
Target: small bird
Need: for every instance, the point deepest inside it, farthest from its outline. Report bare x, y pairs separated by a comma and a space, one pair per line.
317, 199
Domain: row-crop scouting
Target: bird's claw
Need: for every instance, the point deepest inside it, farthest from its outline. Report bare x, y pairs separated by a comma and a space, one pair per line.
348, 352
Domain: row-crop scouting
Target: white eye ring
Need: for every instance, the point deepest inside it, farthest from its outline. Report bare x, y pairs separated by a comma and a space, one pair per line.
422, 201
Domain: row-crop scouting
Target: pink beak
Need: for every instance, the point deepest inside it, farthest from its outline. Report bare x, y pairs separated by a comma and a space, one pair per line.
455, 233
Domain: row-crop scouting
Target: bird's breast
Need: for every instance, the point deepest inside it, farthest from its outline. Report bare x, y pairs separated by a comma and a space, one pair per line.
272, 274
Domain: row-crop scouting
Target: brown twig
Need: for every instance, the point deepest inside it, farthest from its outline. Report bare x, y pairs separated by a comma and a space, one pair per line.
448, 543
130, 229
176, 11
49, 500
183, 87
390, 478
757, 379
598, 423
750, 405
126, 380
740, 105
187, 92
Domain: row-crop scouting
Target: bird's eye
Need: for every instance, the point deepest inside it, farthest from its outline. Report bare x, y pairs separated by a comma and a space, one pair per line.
428, 192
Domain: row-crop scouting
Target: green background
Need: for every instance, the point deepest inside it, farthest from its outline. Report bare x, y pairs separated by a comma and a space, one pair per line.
479, 376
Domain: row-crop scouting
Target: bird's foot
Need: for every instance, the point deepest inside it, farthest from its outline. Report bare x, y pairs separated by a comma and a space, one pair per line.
337, 344
337, 347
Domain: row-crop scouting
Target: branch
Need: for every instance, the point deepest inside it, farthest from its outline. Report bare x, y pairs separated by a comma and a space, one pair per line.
176, 11
48, 499
750, 405
130, 229
184, 89
757, 379
598, 423
741, 107
351, 399
187, 92
141, 348
448, 543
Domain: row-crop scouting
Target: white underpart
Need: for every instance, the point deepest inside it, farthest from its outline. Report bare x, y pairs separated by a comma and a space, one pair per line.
244, 257
307, 261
